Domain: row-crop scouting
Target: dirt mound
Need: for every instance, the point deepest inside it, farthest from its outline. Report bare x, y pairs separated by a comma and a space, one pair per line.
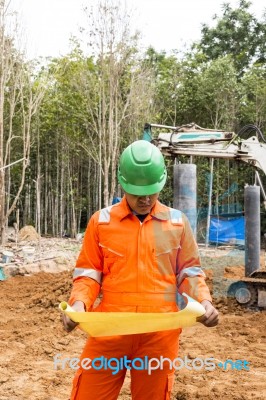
28, 234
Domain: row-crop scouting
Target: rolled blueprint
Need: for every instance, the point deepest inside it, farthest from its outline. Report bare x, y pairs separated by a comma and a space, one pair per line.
126, 323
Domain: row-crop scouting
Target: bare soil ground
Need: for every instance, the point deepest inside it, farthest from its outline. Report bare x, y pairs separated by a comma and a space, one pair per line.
31, 335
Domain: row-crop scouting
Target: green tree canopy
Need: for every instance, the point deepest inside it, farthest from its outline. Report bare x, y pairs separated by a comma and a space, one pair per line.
218, 93
253, 96
237, 33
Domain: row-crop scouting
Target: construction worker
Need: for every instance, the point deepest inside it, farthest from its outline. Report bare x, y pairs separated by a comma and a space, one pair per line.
138, 253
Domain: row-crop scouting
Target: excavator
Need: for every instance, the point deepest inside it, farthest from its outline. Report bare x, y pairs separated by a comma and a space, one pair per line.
193, 140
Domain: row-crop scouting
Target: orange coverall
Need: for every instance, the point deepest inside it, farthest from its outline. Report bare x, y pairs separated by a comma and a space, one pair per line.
139, 267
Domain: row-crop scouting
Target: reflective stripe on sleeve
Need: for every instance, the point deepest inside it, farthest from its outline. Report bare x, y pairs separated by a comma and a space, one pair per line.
88, 273
190, 273
175, 216
104, 215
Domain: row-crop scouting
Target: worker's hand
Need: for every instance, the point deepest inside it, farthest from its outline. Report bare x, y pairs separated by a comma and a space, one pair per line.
211, 316
68, 324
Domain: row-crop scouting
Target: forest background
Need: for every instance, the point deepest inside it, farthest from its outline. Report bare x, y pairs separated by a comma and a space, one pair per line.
64, 121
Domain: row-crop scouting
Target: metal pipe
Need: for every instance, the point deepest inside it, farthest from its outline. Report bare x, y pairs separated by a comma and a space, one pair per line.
209, 204
252, 229
185, 192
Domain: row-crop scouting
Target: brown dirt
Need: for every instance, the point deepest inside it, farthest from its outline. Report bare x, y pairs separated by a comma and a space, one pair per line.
31, 335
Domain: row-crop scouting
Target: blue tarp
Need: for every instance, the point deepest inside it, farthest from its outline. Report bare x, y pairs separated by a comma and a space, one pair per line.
227, 230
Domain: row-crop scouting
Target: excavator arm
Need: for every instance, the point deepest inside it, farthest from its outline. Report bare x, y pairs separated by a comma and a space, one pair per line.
193, 140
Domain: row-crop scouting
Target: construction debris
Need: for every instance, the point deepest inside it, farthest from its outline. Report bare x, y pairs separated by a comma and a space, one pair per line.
47, 254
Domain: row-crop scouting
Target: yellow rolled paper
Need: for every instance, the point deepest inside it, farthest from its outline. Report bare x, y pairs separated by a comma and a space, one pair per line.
126, 323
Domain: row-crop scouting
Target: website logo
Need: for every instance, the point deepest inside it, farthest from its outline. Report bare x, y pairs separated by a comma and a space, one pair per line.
149, 364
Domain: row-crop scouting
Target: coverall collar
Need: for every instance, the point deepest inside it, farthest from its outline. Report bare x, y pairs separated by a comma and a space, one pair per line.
159, 211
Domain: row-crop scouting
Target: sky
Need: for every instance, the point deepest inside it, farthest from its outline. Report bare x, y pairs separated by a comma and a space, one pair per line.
164, 24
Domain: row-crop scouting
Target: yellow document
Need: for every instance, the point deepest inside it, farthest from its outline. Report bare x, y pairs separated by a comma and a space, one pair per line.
127, 323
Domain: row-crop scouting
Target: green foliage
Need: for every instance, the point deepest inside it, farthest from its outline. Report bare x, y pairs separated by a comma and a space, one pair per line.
191, 90
218, 93
167, 72
237, 33
253, 99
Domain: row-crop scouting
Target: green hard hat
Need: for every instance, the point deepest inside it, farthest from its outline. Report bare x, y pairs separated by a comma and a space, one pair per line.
141, 169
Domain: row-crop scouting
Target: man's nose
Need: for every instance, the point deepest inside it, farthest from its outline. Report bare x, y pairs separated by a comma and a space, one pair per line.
144, 198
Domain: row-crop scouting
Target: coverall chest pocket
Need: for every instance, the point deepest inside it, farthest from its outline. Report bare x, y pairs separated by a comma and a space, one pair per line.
113, 258
165, 257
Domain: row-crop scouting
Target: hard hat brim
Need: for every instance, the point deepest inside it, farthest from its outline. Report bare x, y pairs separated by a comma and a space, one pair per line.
143, 190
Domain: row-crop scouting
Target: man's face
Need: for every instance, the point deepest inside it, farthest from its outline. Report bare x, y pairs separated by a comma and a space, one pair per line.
141, 204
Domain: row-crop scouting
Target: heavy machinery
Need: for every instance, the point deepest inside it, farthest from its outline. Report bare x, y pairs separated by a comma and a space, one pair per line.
192, 140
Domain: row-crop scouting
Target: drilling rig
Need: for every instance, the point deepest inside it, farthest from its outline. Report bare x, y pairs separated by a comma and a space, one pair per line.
193, 140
